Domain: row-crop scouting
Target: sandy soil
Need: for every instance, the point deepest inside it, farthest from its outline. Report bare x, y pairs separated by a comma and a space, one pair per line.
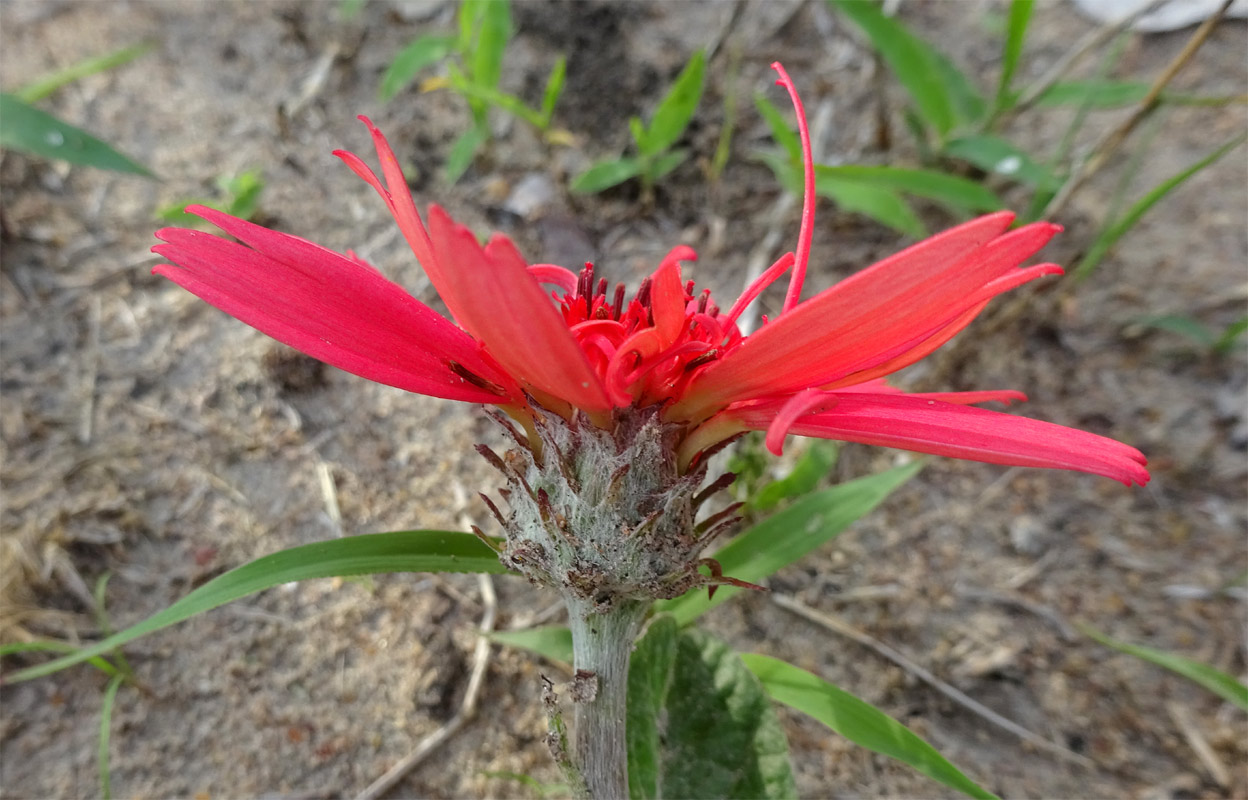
147, 435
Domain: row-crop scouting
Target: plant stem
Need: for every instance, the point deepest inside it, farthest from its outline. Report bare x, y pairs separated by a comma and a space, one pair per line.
601, 645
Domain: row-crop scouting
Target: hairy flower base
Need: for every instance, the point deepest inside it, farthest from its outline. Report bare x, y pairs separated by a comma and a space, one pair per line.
605, 516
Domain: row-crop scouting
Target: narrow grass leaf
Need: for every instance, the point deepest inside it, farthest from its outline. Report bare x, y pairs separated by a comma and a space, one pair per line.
489, 26
856, 720
552, 642
784, 135
1094, 93
716, 734
606, 174
48, 84
677, 108
1015, 35
56, 647
1182, 325
996, 155
464, 150
910, 59
880, 203
787, 536
953, 191
401, 551
554, 88
106, 727
812, 467
1110, 235
1230, 336
423, 52
1216, 681
666, 163
24, 127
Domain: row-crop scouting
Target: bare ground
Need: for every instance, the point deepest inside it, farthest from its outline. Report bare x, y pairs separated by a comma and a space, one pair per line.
148, 435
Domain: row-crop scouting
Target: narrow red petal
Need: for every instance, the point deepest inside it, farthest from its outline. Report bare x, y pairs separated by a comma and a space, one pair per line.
807, 231
667, 295
506, 310
872, 317
931, 426
331, 307
793, 409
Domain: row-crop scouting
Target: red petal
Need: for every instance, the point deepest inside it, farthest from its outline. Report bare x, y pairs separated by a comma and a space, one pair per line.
329, 306
931, 426
874, 316
667, 295
504, 308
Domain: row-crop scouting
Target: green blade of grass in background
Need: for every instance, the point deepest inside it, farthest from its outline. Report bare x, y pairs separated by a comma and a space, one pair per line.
784, 135
29, 130
1110, 235
1015, 35
676, 109
856, 720
911, 60
464, 150
1216, 681
106, 727
554, 88
606, 174
402, 551
880, 203
783, 538
57, 647
996, 155
553, 642
423, 52
48, 84
492, 30
951, 190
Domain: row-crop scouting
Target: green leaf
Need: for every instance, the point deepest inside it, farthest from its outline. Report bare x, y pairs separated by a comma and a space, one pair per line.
1182, 325
786, 537
650, 674
1093, 93
606, 174
29, 130
784, 135
106, 725
637, 129
421, 53
492, 32
56, 647
699, 723
1012, 50
48, 84
877, 202
1229, 336
856, 720
676, 109
812, 467
401, 551
1110, 235
463, 151
553, 642
950, 190
994, 154
554, 87
1216, 681
666, 163
911, 60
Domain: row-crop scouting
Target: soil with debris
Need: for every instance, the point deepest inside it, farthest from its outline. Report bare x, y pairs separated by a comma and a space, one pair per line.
150, 437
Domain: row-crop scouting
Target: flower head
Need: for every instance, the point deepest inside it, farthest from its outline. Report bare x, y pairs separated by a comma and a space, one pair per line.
580, 345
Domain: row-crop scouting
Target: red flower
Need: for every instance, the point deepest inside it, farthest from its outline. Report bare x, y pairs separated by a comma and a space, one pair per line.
816, 369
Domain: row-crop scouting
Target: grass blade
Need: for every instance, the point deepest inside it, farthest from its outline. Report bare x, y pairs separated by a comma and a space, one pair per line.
106, 726
492, 32
464, 150
784, 538
856, 720
401, 551
996, 155
554, 88
421, 53
877, 202
676, 109
951, 190
1110, 235
24, 127
552, 642
606, 174
1216, 681
911, 60
48, 84
1012, 50
781, 131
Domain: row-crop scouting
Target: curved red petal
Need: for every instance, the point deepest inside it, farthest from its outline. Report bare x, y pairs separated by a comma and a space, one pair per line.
331, 307
506, 310
930, 426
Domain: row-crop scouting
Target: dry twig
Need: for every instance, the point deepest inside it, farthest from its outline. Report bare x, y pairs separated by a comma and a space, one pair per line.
1198, 743
467, 709
961, 698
